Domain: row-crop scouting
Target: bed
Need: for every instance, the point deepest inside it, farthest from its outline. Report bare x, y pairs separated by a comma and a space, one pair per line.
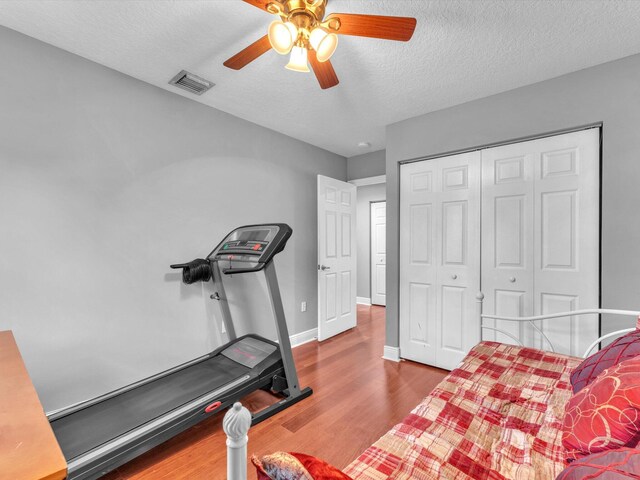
498, 415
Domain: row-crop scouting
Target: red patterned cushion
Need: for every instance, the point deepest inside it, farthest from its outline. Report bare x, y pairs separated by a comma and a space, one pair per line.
295, 466
623, 348
616, 464
261, 474
605, 414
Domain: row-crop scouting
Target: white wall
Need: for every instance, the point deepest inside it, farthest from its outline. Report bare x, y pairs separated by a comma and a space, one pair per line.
366, 195
607, 93
105, 181
366, 165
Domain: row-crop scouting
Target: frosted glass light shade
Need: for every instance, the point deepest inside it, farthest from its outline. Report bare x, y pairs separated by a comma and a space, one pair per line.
282, 36
298, 60
323, 43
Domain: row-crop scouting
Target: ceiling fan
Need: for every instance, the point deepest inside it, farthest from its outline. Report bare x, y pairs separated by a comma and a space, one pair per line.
310, 38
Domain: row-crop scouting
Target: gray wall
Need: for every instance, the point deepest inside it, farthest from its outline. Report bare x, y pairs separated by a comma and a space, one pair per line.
608, 93
105, 181
366, 195
366, 165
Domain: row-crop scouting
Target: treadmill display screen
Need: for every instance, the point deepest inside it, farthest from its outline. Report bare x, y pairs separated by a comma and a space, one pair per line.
247, 243
254, 235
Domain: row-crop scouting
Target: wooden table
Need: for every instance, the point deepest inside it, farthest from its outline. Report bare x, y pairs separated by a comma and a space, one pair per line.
28, 448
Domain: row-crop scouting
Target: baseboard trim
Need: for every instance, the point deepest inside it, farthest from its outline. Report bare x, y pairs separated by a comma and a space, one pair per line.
391, 353
363, 300
303, 337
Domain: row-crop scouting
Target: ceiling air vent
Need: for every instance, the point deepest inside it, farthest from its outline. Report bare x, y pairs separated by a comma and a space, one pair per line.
191, 83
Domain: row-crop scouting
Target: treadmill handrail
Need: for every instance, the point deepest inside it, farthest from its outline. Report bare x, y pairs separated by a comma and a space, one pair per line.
232, 271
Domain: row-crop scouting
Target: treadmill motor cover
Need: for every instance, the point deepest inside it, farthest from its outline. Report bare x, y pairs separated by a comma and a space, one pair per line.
249, 351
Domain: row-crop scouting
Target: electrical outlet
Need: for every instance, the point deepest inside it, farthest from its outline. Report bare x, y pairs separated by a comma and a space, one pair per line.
303, 307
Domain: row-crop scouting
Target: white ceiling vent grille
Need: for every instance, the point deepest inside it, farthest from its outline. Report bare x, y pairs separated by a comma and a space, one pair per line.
191, 83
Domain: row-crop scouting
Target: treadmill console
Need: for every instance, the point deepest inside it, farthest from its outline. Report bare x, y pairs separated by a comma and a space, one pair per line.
253, 246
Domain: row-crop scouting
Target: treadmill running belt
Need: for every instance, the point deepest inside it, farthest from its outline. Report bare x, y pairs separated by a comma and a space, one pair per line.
95, 425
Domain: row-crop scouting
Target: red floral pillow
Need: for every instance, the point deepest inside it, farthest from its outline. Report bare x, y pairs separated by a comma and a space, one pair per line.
295, 466
605, 414
623, 348
616, 464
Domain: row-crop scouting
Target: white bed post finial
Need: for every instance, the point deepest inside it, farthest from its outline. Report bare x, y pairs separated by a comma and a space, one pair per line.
236, 424
479, 300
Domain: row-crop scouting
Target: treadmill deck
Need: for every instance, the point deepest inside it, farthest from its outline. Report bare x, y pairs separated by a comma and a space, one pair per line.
86, 429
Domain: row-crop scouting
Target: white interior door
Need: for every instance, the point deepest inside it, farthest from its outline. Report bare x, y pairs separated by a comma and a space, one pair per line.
541, 244
336, 257
439, 258
378, 253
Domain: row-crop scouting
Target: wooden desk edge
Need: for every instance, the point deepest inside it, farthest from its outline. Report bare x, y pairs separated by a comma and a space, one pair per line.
28, 447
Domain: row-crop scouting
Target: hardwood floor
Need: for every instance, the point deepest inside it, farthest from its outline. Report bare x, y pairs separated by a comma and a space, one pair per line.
357, 397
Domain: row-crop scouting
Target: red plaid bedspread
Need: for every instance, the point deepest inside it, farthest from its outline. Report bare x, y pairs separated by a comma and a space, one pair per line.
497, 416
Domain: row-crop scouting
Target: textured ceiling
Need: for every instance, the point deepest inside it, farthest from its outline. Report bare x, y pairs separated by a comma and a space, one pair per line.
462, 50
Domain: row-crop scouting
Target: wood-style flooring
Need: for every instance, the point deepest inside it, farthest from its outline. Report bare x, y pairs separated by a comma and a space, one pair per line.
357, 397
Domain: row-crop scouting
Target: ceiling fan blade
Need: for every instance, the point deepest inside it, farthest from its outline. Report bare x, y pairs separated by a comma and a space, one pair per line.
324, 71
261, 4
249, 54
373, 26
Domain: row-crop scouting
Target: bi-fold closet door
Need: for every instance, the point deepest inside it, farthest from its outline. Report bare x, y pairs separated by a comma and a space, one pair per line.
518, 222
541, 238
439, 258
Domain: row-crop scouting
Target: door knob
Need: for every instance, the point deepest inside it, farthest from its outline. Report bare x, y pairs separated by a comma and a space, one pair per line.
512, 279
454, 276
324, 267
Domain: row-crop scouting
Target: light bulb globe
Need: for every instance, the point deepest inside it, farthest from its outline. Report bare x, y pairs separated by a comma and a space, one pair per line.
323, 43
298, 60
282, 37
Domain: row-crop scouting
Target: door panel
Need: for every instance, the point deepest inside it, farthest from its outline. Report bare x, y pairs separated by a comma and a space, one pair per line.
507, 237
567, 253
540, 240
453, 310
418, 277
458, 257
378, 253
454, 222
509, 232
559, 240
421, 314
439, 258
336, 257
421, 231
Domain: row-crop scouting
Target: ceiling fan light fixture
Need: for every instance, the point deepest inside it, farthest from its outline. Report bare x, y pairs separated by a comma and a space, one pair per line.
298, 60
323, 43
282, 36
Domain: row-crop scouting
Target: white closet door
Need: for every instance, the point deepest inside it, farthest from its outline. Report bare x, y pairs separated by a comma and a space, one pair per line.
418, 262
567, 237
540, 240
439, 259
507, 237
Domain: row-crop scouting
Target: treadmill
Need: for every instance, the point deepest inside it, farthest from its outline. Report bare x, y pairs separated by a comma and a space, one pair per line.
101, 434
